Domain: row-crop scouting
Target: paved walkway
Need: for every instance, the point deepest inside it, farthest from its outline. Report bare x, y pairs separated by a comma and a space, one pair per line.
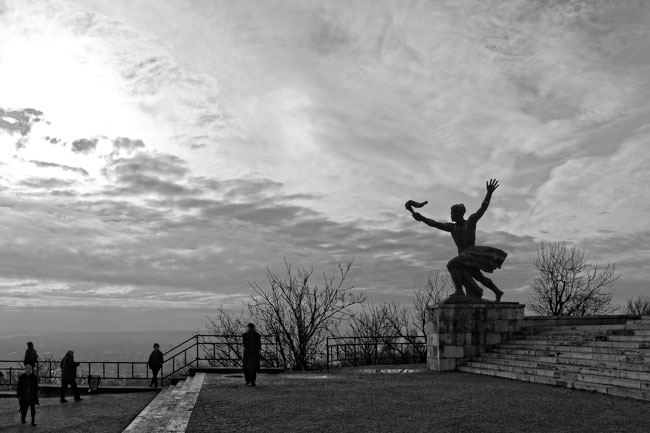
97, 413
170, 411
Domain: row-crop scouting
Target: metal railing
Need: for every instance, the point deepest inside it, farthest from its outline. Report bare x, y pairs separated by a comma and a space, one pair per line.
355, 351
197, 351
204, 350
49, 371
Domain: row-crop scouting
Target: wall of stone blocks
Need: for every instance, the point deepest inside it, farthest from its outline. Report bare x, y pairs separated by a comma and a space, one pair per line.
459, 331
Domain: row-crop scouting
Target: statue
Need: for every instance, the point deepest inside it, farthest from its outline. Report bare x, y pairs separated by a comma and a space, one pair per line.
466, 267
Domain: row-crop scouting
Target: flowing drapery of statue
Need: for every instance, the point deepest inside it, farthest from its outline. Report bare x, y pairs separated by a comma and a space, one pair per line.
465, 269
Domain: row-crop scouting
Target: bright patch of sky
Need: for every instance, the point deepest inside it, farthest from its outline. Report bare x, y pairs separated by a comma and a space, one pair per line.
162, 154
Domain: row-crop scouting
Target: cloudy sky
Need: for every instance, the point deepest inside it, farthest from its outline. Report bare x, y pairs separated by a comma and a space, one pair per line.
156, 156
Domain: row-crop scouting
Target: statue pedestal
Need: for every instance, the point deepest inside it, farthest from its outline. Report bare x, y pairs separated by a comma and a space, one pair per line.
460, 327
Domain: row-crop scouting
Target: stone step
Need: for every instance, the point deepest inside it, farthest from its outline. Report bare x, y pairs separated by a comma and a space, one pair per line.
579, 328
638, 325
633, 362
613, 390
613, 370
630, 338
544, 346
633, 347
563, 337
577, 345
598, 379
595, 363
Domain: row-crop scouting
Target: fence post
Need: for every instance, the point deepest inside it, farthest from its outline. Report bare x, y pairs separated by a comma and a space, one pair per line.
197, 350
327, 353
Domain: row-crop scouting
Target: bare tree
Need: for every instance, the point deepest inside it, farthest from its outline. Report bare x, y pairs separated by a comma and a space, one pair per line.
302, 314
399, 328
566, 285
227, 327
639, 306
370, 328
435, 290
409, 323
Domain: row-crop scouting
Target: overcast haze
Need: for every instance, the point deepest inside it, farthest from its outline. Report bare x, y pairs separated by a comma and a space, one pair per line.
155, 156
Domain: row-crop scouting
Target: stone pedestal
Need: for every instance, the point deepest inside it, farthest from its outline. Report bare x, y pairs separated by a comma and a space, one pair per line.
460, 328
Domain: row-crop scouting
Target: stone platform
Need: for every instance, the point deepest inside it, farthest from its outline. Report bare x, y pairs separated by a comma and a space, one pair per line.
460, 328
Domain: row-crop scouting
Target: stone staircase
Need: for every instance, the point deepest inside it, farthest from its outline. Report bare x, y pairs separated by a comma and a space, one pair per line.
610, 354
171, 409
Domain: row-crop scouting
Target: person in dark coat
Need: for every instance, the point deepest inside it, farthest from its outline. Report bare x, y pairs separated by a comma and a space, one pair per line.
252, 348
69, 376
27, 392
31, 356
155, 364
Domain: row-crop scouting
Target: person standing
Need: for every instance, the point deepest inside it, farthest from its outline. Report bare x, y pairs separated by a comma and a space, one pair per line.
69, 376
252, 348
31, 356
27, 391
155, 364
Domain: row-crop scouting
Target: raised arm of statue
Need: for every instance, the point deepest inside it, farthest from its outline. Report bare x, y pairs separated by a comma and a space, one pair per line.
490, 186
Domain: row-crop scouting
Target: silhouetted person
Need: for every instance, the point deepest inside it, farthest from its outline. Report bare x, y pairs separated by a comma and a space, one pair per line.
155, 364
31, 356
69, 376
252, 349
27, 392
471, 259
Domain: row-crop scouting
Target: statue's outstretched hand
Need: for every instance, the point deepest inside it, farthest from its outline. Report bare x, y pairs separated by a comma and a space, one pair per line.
492, 185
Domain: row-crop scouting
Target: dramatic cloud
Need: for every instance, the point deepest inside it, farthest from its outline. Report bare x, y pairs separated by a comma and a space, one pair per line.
84, 145
19, 122
127, 144
223, 137
44, 164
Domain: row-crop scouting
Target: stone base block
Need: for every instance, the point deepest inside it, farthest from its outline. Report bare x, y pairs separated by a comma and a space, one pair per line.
460, 327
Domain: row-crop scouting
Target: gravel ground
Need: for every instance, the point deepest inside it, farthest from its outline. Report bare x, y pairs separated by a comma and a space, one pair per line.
350, 401
99, 413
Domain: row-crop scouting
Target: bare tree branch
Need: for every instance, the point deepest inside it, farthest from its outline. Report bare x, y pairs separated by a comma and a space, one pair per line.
302, 314
566, 285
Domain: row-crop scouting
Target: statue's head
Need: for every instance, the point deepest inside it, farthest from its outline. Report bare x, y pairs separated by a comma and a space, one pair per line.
457, 212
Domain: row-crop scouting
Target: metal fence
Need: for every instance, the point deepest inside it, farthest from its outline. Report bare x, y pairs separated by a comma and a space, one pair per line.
355, 351
197, 351
204, 350
49, 371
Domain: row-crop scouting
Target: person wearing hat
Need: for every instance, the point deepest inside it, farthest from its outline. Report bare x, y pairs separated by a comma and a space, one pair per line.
27, 392
252, 348
155, 364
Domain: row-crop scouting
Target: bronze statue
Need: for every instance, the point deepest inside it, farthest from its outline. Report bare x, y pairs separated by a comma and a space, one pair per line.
471, 260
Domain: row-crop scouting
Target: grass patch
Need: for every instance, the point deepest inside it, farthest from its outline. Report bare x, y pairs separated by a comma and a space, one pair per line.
350, 401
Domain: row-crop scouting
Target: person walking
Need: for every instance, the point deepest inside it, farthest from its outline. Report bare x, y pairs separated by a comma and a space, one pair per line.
69, 376
27, 392
252, 348
31, 356
155, 364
